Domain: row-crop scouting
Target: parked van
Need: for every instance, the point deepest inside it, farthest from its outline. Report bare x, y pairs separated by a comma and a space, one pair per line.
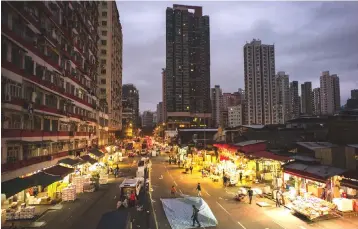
129, 185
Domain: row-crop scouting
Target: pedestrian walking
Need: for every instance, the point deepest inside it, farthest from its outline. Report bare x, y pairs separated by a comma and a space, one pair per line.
224, 180
240, 177
191, 169
278, 196
173, 190
178, 163
198, 189
251, 193
132, 199
194, 217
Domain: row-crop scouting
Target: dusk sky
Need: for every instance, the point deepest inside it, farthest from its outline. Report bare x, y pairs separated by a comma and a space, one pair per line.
309, 37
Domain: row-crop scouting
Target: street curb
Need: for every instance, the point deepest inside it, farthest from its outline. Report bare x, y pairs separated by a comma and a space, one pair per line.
151, 202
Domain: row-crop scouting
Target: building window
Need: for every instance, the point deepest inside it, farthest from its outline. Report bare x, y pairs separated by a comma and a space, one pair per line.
103, 91
104, 33
103, 42
104, 14
103, 51
104, 23
12, 153
103, 71
103, 81
104, 3
103, 62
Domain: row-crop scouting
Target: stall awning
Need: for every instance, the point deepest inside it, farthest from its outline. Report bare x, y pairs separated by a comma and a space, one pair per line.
89, 159
11, 187
58, 170
320, 173
349, 183
271, 156
96, 152
70, 161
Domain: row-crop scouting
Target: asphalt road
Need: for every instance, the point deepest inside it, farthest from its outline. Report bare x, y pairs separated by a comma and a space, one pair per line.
87, 210
229, 213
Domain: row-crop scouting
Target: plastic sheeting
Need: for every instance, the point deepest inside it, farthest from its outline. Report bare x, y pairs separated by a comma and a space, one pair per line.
180, 210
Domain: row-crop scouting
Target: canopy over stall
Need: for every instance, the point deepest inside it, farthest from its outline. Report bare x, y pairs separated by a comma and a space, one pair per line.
58, 170
89, 159
96, 152
11, 187
179, 210
70, 161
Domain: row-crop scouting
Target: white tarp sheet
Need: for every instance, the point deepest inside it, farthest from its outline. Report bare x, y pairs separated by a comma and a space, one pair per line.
180, 210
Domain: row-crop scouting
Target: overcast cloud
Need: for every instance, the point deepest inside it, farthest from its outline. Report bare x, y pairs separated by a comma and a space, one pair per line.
309, 37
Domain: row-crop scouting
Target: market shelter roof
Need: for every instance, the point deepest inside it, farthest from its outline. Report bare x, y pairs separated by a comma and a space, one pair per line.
89, 159
270, 155
70, 161
11, 187
320, 173
250, 142
96, 152
58, 170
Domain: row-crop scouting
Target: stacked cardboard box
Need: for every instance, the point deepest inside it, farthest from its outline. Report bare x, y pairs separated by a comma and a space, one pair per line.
78, 182
27, 212
69, 193
103, 179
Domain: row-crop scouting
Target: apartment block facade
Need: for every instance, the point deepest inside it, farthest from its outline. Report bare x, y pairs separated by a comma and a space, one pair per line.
187, 73
306, 98
130, 110
216, 96
295, 101
330, 93
260, 84
50, 108
235, 116
283, 97
316, 101
110, 53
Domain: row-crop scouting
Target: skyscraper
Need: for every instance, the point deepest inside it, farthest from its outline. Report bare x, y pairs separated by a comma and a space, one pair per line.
283, 97
330, 93
130, 100
110, 54
294, 100
216, 105
306, 98
187, 74
260, 88
317, 101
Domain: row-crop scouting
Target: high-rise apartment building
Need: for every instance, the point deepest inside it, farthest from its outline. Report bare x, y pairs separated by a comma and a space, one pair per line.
283, 97
216, 96
295, 101
49, 104
164, 97
160, 117
306, 98
130, 101
354, 94
187, 74
317, 101
330, 93
235, 116
231, 99
147, 119
110, 54
260, 84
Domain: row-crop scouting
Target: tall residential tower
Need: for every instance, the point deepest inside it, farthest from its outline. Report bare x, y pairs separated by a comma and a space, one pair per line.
260, 85
330, 93
295, 107
110, 62
306, 98
283, 97
187, 74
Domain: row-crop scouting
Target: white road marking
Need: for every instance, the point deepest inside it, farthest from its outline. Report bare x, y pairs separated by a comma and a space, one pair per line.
302, 227
180, 191
220, 198
175, 183
278, 224
161, 177
207, 193
241, 225
223, 208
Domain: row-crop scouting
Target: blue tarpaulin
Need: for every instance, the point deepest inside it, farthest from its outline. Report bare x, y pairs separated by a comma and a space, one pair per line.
180, 210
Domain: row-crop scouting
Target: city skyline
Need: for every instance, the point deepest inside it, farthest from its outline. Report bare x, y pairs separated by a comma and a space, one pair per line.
303, 54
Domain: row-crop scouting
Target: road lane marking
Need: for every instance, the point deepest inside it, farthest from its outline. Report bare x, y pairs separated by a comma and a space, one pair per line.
161, 177
241, 225
278, 224
207, 193
175, 183
223, 208
302, 227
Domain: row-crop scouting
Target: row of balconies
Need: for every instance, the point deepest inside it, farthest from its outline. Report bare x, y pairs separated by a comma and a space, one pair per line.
10, 66
16, 133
